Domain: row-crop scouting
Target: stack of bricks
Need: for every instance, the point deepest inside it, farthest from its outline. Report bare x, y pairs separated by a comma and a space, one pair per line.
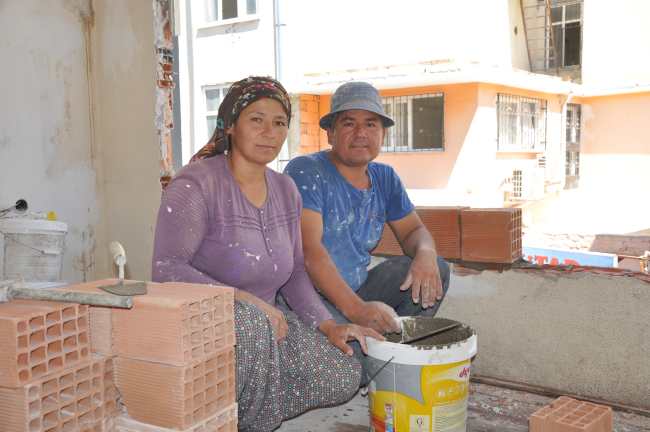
309, 129
568, 415
443, 223
48, 379
491, 235
174, 356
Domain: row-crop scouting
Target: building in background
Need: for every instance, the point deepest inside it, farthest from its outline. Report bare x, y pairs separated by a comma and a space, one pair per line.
495, 104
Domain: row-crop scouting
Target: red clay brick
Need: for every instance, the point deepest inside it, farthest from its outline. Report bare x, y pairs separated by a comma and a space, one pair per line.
306, 98
460, 270
308, 117
40, 338
568, 415
491, 235
310, 107
175, 323
177, 397
223, 421
443, 225
313, 129
71, 399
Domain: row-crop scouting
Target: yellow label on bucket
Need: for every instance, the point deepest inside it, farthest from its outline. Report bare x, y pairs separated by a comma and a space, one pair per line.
408, 398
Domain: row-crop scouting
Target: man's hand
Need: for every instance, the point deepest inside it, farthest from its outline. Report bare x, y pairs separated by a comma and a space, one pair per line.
339, 334
424, 276
377, 316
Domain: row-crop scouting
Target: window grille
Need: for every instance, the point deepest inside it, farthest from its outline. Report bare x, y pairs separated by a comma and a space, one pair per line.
419, 123
573, 123
521, 123
517, 179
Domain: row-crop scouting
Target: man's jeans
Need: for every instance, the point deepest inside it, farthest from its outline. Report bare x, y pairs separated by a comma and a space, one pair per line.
382, 284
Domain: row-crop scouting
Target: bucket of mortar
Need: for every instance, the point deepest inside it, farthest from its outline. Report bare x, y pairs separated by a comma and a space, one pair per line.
424, 388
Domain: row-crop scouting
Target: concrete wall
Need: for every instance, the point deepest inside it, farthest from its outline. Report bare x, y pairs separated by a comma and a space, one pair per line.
383, 32
77, 132
48, 149
124, 62
587, 335
615, 148
470, 171
615, 42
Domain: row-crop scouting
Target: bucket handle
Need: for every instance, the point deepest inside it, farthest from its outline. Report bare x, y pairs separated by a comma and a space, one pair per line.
380, 369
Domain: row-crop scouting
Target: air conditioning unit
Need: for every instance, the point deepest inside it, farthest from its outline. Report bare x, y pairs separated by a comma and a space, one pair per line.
528, 184
552, 167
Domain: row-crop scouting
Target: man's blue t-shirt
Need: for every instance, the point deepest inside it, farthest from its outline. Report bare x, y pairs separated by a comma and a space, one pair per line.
353, 219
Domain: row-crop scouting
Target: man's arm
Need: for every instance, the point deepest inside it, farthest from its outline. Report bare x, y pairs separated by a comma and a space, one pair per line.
328, 281
424, 273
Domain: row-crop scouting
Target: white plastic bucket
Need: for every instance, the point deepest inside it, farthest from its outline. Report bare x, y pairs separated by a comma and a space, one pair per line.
423, 388
31, 249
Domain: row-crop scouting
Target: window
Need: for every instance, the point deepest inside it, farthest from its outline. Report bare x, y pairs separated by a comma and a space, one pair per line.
567, 32
220, 10
419, 123
521, 123
213, 98
572, 146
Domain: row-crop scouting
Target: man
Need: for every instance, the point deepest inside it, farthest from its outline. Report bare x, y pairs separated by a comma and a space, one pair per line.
346, 200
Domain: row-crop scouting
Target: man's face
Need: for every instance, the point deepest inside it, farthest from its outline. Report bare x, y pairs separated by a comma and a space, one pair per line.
357, 137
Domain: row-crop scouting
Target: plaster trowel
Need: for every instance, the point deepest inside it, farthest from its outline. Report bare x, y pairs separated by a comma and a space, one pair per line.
120, 288
409, 335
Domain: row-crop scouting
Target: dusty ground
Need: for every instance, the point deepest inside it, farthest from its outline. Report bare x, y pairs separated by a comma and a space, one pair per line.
491, 409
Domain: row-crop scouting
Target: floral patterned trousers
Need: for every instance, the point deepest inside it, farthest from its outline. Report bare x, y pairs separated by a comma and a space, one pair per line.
279, 381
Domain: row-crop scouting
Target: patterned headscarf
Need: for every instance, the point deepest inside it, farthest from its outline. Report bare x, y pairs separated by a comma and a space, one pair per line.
241, 94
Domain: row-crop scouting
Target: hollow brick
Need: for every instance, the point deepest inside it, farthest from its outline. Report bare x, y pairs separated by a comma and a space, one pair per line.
174, 323
443, 225
491, 235
313, 129
72, 399
569, 415
306, 98
177, 397
40, 338
223, 421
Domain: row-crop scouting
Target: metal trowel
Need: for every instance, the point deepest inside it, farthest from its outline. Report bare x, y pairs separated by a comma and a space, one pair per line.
406, 337
120, 288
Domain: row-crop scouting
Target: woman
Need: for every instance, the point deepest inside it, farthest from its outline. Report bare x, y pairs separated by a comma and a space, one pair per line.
228, 220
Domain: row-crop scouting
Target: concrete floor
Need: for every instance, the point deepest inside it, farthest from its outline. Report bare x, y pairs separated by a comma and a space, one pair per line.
491, 409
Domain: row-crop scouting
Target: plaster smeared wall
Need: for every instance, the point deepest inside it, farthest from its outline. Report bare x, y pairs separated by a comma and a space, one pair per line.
586, 335
125, 90
48, 151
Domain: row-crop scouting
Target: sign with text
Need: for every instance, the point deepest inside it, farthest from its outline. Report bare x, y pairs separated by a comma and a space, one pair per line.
543, 256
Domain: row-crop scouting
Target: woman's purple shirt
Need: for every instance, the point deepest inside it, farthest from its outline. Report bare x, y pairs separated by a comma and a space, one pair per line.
209, 233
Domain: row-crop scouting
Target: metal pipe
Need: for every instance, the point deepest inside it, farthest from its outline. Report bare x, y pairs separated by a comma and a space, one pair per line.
69, 297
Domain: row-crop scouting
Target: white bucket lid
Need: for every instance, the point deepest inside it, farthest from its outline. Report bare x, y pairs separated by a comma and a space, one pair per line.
31, 224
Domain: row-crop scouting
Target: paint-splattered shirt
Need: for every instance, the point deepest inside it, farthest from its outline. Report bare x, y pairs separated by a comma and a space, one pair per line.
209, 233
353, 219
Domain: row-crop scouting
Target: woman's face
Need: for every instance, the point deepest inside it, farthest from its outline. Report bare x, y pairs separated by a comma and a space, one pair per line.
260, 131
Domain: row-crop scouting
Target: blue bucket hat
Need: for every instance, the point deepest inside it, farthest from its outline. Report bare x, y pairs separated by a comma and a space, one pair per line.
356, 96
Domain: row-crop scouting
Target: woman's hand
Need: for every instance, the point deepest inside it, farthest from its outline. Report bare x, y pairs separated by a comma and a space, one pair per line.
280, 326
339, 334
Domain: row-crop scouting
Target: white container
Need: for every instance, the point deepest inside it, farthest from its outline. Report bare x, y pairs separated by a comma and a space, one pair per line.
421, 388
32, 249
